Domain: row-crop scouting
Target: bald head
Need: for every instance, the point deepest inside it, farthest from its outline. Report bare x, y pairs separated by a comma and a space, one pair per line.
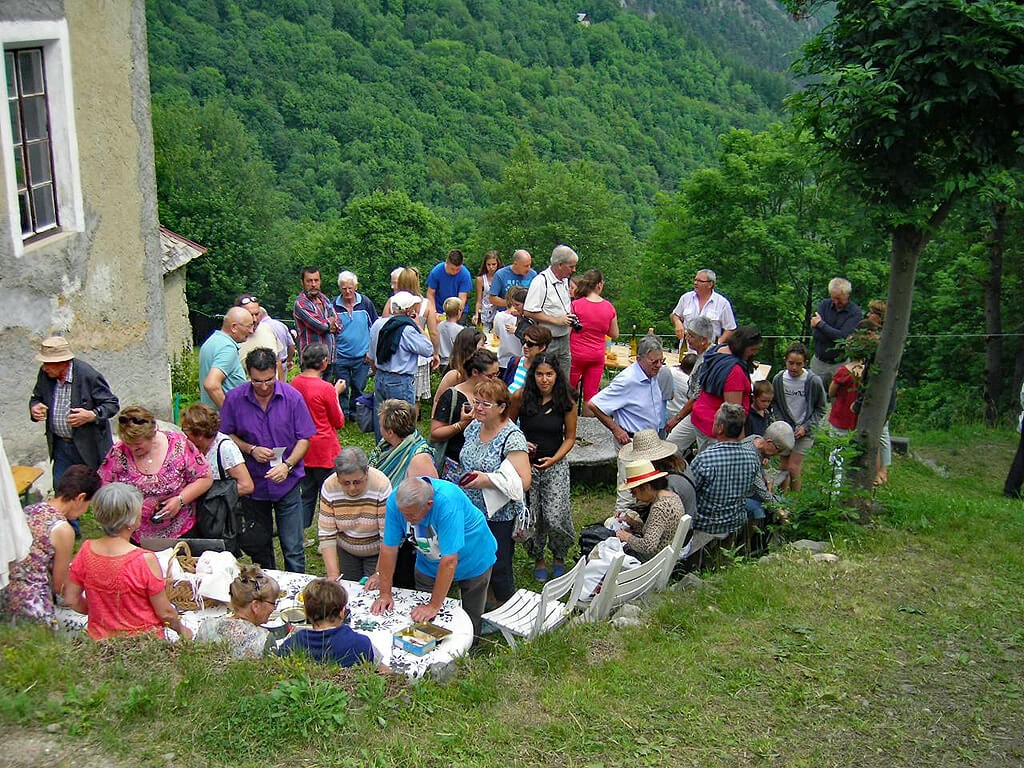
238, 324
522, 262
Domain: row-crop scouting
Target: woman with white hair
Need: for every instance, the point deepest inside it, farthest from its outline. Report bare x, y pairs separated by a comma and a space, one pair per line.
117, 585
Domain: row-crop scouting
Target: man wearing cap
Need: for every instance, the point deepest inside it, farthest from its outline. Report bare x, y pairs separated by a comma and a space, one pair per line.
316, 322
76, 403
725, 474
396, 344
778, 439
220, 369
262, 335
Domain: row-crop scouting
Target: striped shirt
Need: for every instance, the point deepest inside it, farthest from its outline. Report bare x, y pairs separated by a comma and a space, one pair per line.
353, 524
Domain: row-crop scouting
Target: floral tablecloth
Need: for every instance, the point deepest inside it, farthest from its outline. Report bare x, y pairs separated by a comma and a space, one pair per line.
379, 628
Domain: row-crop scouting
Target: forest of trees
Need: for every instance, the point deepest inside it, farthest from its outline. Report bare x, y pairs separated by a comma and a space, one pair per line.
368, 134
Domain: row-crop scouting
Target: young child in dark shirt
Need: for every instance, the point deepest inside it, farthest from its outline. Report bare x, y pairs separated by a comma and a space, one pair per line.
760, 405
330, 639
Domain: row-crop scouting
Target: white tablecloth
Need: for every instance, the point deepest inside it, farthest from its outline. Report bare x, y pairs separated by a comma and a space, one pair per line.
379, 628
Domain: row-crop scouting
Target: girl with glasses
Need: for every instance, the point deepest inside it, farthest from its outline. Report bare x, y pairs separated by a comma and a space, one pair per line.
253, 598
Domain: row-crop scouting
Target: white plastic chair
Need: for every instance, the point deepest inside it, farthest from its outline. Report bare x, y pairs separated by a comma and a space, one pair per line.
620, 587
676, 546
527, 614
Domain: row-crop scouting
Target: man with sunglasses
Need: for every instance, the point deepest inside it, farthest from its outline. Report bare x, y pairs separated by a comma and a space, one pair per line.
75, 402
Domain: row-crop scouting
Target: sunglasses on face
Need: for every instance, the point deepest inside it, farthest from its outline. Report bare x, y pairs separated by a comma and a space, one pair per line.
138, 421
530, 344
248, 300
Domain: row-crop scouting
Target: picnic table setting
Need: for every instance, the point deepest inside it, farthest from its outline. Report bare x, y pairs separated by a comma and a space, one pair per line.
200, 592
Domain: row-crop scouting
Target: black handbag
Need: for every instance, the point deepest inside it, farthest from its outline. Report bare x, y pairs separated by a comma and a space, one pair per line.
218, 511
591, 535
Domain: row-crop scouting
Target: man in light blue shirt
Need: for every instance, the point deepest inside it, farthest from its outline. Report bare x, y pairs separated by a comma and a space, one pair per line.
632, 401
396, 344
453, 544
220, 370
356, 314
519, 273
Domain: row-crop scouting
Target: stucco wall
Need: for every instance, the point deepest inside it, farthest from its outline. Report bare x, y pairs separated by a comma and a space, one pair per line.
179, 329
101, 287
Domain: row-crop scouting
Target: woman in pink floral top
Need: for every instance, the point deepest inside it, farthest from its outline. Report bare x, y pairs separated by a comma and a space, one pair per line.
169, 471
44, 571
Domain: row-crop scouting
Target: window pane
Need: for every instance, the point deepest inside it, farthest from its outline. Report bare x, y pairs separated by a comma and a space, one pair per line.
31, 64
26, 215
12, 87
34, 110
46, 214
19, 167
39, 162
15, 122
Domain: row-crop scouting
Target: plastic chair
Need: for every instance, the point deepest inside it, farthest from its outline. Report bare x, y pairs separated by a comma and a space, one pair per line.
620, 587
527, 614
676, 546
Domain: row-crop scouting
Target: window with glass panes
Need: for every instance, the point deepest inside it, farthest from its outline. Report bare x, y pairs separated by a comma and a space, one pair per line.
33, 152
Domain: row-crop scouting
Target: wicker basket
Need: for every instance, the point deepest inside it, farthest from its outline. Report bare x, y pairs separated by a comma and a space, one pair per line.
184, 593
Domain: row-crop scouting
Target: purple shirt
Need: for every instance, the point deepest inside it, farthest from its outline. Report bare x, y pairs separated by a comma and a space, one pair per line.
282, 425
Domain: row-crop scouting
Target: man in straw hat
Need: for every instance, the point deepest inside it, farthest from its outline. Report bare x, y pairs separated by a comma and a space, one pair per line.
76, 404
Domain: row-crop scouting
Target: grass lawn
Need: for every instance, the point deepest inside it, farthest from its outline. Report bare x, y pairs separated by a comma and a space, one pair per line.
909, 651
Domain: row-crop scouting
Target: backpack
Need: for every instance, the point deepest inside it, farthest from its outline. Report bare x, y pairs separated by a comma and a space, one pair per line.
218, 511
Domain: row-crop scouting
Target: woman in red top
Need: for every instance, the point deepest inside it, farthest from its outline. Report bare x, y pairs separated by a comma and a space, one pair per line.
597, 316
116, 584
725, 378
846, 380
322, 400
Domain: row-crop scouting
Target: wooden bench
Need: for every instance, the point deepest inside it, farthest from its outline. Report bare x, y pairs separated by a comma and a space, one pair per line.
23, 479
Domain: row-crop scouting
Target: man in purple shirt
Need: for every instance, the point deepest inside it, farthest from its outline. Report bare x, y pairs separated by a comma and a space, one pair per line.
271, 425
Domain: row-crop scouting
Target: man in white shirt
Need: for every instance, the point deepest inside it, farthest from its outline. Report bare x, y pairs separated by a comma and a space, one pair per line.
703, 300
548, 302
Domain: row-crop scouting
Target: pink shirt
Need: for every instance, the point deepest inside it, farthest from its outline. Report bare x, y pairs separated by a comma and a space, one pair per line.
322, 401
118, 590
596, 316
183, 464
707, 405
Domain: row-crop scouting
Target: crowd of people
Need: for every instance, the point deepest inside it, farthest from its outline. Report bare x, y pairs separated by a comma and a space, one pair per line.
428, 510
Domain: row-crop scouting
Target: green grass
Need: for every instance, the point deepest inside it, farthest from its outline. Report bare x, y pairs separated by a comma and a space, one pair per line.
908, 651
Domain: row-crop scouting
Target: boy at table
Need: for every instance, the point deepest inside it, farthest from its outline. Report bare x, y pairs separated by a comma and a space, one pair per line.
330, 639
453, 543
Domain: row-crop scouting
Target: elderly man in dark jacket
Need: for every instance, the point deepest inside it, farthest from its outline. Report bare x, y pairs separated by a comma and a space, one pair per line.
75, 402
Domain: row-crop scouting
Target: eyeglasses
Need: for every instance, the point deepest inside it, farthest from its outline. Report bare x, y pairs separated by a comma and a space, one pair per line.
262, 382
656, 363
698, 280
138, 421
482, 404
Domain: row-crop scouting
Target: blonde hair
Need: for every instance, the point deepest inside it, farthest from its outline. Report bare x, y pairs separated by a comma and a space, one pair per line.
135, 423
252, 584
409, 281
452, 306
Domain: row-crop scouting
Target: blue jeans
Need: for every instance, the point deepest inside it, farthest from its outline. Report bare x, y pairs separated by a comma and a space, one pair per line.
65, 454
387, 386
355, 371
288, 511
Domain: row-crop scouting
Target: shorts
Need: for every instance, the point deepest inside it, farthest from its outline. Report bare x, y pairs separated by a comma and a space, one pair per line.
422, 385
803, 445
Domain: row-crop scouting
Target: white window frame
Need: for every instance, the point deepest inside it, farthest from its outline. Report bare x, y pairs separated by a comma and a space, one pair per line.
53, 38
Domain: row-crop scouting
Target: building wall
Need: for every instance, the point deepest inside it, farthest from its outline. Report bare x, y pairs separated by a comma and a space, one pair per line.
179, 329
101, 286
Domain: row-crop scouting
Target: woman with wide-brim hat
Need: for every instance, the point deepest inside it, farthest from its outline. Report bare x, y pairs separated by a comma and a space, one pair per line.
646, 445
649, 487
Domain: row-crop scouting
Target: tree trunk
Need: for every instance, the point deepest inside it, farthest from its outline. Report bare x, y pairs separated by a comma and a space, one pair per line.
908, 240
993, 389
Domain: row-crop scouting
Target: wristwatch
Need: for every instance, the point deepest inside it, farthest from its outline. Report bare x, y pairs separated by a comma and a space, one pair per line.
290, 466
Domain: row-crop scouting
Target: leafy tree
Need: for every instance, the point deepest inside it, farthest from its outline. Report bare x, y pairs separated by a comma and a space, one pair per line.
537, 205
914, 103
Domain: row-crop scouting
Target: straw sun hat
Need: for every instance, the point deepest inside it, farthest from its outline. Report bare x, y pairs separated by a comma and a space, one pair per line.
640, 472
646, 445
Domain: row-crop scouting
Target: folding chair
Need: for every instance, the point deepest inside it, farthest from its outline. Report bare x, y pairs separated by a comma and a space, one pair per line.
527, 614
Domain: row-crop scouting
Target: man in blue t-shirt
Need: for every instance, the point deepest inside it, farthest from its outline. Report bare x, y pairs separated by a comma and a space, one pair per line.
453, 543
519, 273
447, 279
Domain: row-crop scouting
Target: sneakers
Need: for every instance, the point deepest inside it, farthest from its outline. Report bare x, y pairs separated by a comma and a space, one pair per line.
558, 569
540, 574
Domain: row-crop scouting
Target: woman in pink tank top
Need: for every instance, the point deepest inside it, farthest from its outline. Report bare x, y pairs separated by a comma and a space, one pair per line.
597, 316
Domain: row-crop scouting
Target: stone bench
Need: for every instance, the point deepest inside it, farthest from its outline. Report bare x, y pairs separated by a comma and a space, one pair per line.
594, 458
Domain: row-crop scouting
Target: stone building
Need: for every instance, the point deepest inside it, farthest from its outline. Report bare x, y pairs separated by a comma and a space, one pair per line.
79, 240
